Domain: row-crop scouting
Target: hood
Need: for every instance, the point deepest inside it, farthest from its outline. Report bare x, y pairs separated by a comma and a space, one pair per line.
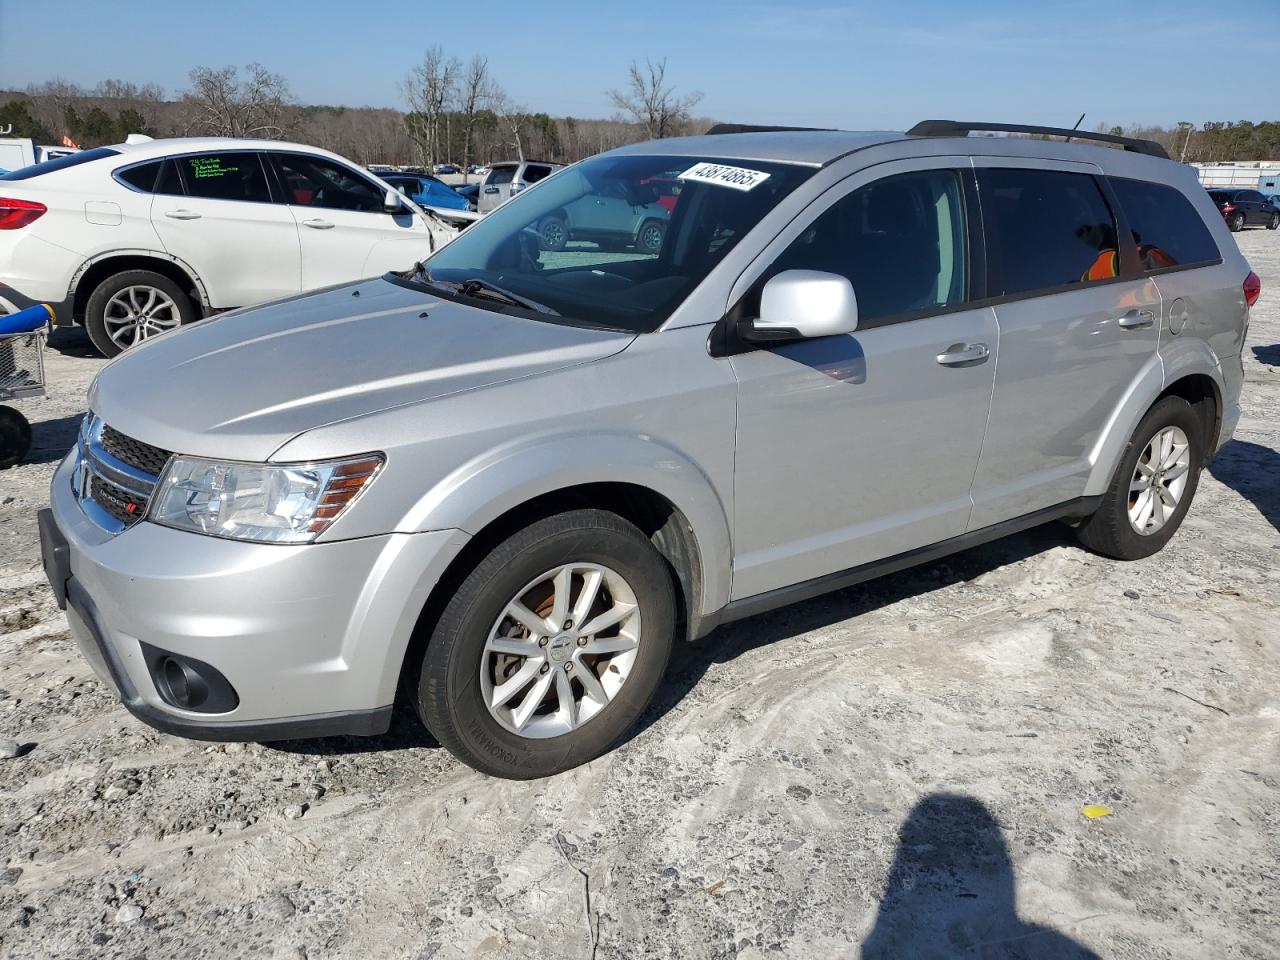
240, 385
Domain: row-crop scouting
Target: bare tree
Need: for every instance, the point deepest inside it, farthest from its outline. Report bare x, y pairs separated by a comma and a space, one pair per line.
474, 93
511, 118
429, 88
652, 102
224, 105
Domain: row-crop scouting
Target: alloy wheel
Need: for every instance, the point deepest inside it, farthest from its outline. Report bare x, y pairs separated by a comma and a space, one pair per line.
1159, 480
560, 651
137, 313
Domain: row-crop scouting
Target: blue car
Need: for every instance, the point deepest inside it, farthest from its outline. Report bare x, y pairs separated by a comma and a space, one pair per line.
426, 190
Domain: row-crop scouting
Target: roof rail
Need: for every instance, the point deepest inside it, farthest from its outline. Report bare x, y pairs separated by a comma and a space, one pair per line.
720, 128
961, 128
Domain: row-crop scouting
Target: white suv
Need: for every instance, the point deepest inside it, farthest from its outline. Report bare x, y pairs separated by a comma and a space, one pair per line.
135, 239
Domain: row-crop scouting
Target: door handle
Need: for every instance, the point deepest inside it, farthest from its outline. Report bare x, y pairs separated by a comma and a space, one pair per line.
1136, 319
182, 215
959, 353
318, 224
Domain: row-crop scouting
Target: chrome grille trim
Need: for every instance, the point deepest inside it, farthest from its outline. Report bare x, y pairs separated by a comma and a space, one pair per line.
120, 484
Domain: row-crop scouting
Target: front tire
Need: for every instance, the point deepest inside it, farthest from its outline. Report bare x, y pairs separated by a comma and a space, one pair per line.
133, 306
553, 234
649, 236
1274, 222
1153, 486
513, 694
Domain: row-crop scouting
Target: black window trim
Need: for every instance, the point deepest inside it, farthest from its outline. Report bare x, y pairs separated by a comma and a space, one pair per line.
1177, 267
118, 175
186, 186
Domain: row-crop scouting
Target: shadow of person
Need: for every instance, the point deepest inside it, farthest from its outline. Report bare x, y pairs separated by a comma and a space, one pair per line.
1268, 354
1253, 471
950, 893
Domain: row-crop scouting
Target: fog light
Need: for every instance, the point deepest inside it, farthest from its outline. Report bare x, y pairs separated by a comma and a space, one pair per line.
189, 684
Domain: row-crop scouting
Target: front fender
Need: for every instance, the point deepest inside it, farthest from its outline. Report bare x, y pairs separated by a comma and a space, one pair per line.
480, 491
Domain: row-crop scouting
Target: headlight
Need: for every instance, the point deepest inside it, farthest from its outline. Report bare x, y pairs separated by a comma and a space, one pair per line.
266, 502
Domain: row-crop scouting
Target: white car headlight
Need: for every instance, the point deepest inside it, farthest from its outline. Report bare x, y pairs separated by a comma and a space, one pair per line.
266, 502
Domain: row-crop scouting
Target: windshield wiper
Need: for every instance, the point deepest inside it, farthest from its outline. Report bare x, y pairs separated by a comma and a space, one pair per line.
476, 287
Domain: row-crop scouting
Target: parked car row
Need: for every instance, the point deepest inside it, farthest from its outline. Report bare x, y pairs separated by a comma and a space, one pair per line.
138, 238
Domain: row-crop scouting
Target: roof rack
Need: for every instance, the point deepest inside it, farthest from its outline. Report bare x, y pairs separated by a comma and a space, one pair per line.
720, 128
961, 128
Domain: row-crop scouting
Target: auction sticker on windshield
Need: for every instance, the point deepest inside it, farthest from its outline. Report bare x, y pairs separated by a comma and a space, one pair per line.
737, 177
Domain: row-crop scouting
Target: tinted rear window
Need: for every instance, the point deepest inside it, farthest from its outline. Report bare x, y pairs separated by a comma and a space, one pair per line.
1165, 226
501, 175
141, 177
52, 166
1221, 196
1047, 229
534, 172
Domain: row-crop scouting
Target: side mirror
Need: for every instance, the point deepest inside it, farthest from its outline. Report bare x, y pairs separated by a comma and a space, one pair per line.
392, 203
803, 303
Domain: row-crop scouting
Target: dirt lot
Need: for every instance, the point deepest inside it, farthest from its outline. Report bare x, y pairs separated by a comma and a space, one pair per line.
899, 768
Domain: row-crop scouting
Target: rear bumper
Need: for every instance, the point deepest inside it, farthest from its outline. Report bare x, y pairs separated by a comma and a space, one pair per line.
304, 641
12, 300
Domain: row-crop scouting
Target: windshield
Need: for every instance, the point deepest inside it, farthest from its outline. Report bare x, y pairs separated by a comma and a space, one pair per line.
615, 241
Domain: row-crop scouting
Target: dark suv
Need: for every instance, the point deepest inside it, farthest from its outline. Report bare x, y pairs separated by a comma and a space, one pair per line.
1246, 208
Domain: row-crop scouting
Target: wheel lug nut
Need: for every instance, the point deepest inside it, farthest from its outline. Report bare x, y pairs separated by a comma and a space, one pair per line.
568, 668
542, 641
582, 641
544, 668
568, 624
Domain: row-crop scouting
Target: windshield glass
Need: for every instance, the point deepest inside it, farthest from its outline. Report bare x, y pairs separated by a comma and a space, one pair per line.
615, 241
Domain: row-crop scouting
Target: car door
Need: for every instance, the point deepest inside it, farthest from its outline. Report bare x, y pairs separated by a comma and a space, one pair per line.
215, 212
858, 447
1078, 325
1254, 203
343, 229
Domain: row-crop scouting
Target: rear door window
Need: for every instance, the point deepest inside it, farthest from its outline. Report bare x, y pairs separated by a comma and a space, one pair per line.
225, 176
1046, 229
1166, 228
900, 241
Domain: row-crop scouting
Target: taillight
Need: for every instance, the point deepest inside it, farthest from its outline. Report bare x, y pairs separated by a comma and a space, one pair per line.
19, 213
1252, 288
1228, 207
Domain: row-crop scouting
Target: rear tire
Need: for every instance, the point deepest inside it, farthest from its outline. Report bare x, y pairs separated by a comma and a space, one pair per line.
15, 437
1113, 530
512, 694
133, 306
649, 236
1236, 223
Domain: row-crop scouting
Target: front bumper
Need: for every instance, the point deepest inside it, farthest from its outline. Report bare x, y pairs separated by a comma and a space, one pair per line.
311, 637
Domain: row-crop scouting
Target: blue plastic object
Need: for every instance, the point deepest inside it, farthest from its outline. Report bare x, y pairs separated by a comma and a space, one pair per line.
26, 321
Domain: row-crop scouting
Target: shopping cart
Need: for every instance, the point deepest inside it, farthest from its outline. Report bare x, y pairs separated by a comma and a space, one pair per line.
21, 375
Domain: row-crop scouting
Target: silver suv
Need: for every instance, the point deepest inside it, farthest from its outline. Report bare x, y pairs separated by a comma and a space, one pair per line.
505, 180
501, 484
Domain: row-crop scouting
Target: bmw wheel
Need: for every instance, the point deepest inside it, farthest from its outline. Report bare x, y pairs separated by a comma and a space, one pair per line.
134, 306
551, 648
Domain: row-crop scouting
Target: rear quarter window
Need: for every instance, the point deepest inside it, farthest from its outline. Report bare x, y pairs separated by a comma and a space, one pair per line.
1165, 226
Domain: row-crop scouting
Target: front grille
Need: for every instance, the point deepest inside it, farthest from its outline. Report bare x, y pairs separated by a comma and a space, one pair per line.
118, 502
135, 453
115, 475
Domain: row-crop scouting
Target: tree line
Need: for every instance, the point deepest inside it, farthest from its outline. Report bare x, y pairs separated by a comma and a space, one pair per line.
457, 113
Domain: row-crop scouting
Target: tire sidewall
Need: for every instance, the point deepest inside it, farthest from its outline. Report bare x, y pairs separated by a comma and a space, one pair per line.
1171, 411
95, 309
457, 647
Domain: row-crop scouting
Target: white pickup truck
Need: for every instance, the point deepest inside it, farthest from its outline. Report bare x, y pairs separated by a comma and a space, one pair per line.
19, 152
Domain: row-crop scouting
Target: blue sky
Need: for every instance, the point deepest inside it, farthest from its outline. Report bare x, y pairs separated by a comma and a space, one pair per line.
870, 65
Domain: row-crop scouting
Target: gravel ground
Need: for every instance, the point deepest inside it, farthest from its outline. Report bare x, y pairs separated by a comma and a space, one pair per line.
901, 767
